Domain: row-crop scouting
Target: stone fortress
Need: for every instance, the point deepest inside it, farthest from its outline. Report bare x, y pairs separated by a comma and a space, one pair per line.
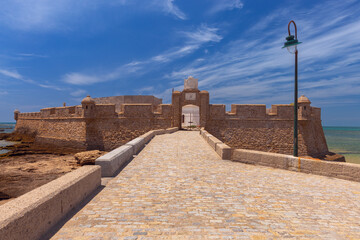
108, 122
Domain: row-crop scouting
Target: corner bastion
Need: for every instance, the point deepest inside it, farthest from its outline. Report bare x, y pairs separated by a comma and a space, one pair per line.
107, 123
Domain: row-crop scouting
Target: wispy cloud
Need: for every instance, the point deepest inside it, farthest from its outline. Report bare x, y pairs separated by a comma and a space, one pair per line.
45, 15
31, 55
226, 5
13, 74
193, 41
171, 8
255, 69
143, 90
78, 93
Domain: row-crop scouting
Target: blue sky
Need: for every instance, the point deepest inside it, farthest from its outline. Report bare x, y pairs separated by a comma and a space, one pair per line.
59, 51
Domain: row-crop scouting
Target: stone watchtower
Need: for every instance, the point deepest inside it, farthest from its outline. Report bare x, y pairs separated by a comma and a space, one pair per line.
304, 108
191, 95
16, 114
88, 105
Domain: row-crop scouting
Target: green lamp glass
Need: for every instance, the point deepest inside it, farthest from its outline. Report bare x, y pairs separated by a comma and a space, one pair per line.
291, 44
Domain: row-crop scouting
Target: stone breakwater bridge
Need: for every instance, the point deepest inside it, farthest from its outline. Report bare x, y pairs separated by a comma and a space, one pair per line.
177, 187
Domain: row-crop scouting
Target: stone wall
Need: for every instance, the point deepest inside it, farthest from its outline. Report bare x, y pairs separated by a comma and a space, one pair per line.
96, 127
128, 99
255, 128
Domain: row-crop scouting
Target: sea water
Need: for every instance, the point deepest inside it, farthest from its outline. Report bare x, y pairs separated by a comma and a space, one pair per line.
6, 128
344, 141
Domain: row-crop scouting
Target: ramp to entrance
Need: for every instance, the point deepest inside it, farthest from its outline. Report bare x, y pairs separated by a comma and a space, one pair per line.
179, 188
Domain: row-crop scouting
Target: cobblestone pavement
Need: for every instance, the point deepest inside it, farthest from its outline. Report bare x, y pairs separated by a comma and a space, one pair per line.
178, 188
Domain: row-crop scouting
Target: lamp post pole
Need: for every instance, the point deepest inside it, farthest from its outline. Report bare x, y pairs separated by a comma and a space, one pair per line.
296, 142
292, 43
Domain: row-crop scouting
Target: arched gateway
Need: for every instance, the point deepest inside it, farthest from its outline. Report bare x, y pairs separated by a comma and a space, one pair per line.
191, 95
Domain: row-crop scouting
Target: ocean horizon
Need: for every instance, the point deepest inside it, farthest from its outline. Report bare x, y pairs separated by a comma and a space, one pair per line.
340, 139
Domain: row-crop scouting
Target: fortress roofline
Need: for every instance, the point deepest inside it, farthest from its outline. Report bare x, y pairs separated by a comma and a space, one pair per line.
303, 99
88, 100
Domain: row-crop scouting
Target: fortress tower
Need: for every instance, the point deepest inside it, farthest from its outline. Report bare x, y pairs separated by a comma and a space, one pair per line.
88, 105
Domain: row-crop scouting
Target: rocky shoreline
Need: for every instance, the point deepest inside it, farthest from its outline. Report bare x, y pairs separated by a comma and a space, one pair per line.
27, 166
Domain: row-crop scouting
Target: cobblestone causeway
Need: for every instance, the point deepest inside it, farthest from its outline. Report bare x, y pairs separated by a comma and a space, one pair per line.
178, 188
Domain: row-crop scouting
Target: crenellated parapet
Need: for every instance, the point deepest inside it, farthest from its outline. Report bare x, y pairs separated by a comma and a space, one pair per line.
163, 111
28, 115
62, 112
259, 112
247, 111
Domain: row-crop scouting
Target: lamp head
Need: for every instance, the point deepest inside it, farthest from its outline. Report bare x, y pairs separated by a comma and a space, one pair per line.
291, 44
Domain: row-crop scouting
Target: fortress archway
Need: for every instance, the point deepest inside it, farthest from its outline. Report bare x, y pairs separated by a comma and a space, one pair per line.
190, 116
191, 95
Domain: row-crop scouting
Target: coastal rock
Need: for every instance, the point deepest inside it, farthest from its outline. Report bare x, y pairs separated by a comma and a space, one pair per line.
4, 196
88, 157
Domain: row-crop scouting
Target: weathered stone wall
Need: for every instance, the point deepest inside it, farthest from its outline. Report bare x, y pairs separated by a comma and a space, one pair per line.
96, 127
253, 127
64, 132
128, 99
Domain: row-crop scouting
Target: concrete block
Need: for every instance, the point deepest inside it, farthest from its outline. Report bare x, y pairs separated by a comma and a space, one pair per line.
148, 136
203, 133
212, 141
239, 155
207, 135
347, 171
274, 160
137, 144
224, 151
33, 214
171, 130
115, 159
159, 131
351, 170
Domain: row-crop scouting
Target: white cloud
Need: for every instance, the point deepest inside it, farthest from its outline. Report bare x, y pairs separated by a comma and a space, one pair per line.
224, 5
31, 55
171, 8
12, 74
47, 15
15, 75
143, 90
249, 72
78, 93
193, 41
81, 79
203, 34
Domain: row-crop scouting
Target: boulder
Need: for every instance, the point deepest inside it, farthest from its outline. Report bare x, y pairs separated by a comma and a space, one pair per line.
88, 157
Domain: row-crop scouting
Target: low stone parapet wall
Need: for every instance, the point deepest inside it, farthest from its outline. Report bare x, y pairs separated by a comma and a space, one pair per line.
347, 171
33, 214
223, 150
111, 162
114, 160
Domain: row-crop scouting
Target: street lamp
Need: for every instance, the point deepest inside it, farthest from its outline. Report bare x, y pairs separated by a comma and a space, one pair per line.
291, 45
